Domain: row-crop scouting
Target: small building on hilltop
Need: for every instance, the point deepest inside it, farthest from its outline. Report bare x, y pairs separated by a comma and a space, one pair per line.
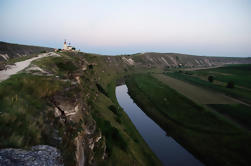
68, 47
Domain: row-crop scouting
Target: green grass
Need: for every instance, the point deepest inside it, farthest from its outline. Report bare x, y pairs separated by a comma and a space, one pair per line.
23, 109
62, 66
27, 114
177, 107
240, 74
210, 137
239, 113
238, 93
112, 135
124, 143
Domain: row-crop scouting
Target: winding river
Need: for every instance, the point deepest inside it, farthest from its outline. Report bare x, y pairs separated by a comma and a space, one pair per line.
166, 148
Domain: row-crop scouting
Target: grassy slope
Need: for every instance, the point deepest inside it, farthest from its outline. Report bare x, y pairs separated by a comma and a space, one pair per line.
28, 113
106, 74
23, 109
208, 136
136, 151
124, 144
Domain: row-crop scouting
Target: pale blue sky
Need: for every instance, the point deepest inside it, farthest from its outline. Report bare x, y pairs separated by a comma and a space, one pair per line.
201, 27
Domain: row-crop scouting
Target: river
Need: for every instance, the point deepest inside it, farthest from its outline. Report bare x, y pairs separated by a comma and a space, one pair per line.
165, 147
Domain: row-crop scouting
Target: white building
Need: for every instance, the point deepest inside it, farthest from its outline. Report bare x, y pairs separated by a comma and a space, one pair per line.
68, 47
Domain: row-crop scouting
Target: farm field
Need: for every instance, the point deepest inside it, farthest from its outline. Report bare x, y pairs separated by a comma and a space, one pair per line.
238, 74
197, 94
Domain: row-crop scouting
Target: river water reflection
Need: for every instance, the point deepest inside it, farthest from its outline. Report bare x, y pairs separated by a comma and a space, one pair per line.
165, 147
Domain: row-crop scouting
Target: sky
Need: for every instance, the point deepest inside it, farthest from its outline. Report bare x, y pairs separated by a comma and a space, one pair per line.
114, 27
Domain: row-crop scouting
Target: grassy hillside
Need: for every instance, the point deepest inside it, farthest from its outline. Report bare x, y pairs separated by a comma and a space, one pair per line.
31, 100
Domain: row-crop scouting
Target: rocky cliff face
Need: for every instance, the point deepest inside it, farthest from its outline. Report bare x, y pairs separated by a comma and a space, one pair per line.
183, 60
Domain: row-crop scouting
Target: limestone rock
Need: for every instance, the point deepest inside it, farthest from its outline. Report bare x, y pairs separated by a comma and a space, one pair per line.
38, 155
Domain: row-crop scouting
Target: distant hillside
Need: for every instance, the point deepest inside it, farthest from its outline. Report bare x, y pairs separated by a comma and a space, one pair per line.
150, 59
183, 60
9, 51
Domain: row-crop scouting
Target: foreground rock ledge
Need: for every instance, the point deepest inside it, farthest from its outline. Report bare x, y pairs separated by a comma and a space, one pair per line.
38, 155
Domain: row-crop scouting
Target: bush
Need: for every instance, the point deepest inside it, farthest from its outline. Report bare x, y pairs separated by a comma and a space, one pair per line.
166, 68
113, 109
43, 51
230, 84
66, 66
90, 67
210, 78
101, 89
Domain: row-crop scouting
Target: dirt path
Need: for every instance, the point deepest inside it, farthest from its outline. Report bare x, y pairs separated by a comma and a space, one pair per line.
195, 93
13, 69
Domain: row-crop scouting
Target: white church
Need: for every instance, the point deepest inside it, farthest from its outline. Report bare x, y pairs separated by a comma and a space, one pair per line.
68, 47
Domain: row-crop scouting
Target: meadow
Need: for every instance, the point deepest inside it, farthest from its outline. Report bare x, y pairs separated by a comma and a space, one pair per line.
239, 74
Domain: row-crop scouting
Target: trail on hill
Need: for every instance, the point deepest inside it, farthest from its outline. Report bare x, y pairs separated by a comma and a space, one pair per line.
18, 66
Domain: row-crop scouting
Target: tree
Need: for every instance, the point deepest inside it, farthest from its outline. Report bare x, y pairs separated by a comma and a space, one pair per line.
210, 78
230, 84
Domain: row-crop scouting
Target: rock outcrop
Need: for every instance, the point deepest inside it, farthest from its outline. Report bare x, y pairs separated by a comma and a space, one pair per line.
38, 155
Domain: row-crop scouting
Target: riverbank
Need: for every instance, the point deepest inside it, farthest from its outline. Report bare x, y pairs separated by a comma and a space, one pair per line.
161, 144
208, 136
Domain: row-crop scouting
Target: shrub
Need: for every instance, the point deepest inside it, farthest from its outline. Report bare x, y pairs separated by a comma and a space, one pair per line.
90, 67
101, 89
166, 68
188, 73
210, 78
230, 84
66, 66
113, 109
